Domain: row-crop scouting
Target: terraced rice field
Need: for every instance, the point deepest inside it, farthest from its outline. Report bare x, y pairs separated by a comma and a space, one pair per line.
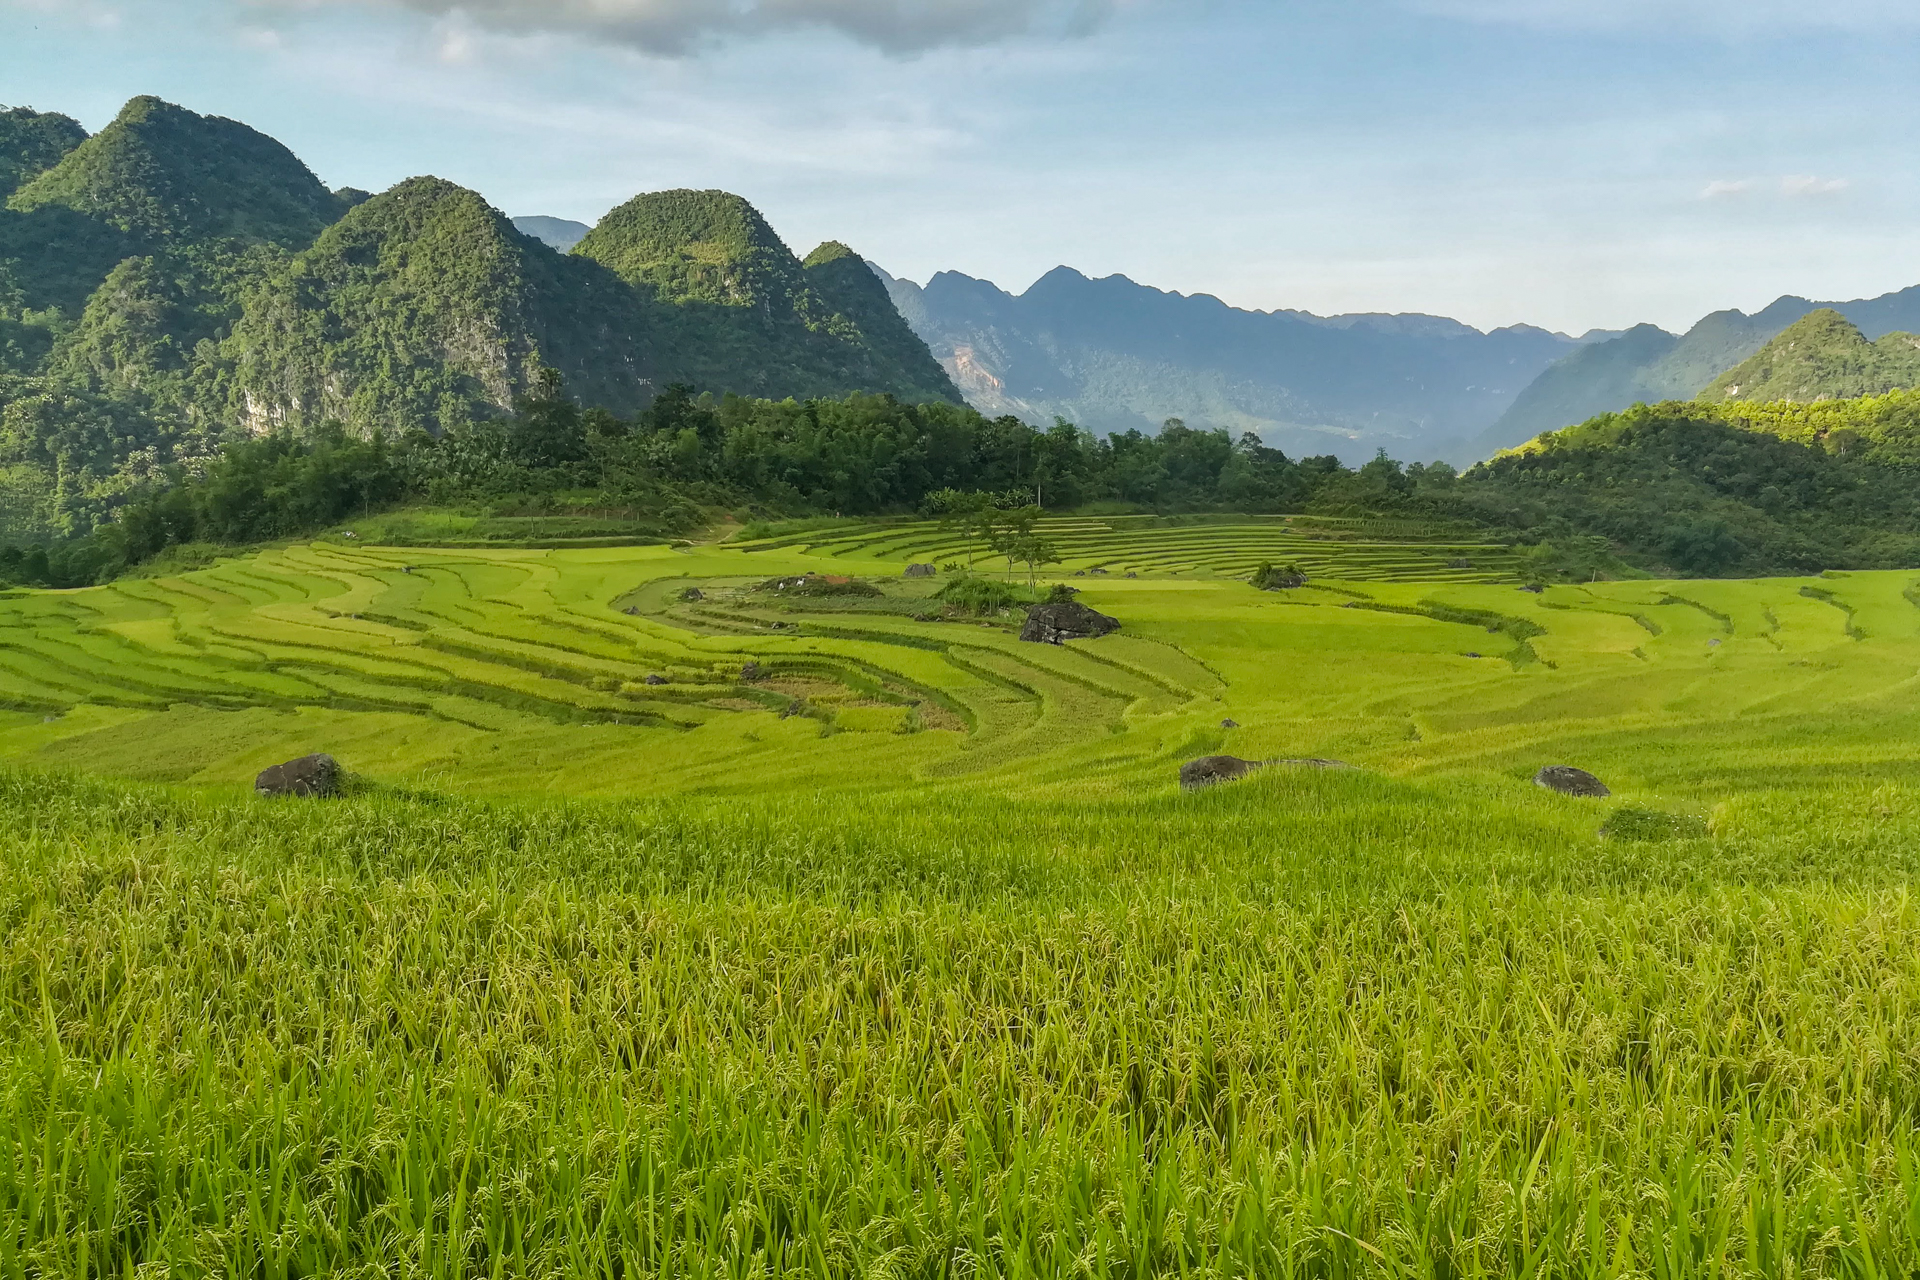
585, 671
1354, 550
731, 934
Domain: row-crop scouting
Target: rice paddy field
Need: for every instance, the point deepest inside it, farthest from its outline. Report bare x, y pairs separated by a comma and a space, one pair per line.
677, 925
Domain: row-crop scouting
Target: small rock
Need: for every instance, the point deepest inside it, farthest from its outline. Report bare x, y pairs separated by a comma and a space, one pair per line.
1569, 781
1067, 620
1208, 770
314, 775
919, 571
693, 593
1229, 724
655, 679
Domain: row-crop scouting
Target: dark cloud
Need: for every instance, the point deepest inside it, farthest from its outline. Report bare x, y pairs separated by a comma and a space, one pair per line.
679, 26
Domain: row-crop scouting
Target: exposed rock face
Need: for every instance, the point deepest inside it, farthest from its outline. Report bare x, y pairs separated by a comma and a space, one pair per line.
1208, 770
1569, 781
919, 571
314, 775
1068, 620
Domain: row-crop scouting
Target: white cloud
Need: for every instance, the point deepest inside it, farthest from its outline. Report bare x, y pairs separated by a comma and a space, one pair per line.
1799, 186
678, 26
1791, 187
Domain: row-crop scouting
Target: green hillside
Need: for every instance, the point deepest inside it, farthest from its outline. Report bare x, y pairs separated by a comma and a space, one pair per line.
740, 296
847, 285
1722, 489
178, 282
424, 307
32, 142
1822, 357
1636, 368
164, 175
696, 246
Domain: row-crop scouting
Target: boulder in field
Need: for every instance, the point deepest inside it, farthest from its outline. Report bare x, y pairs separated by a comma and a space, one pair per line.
919, 571
1569, 781
314, 775
1208, 770
1065, 620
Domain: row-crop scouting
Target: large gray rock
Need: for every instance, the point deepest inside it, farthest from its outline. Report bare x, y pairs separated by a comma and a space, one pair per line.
314, 775
1067, 620
1569, 781
1208, 770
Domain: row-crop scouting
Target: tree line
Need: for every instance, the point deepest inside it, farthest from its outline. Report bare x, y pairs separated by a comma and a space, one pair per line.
1671, 488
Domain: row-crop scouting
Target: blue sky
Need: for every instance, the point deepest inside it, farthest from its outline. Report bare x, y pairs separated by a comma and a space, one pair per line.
1570, 163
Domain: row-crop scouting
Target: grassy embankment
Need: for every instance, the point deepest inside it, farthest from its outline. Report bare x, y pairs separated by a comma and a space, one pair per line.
987, 998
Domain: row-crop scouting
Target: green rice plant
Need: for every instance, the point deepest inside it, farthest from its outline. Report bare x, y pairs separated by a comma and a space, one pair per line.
1317, 1024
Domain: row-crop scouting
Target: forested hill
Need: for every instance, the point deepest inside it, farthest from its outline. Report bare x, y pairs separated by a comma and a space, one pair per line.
1721, 489
1649, 365
177, 279
1823, 357
1114, 355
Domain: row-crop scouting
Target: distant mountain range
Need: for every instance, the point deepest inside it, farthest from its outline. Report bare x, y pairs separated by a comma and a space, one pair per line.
1113, 355
560, 233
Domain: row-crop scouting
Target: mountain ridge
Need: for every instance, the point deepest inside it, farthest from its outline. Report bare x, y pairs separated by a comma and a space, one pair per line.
1115, 355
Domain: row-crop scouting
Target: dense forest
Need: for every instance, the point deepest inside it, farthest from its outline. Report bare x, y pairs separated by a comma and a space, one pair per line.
1679, 487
